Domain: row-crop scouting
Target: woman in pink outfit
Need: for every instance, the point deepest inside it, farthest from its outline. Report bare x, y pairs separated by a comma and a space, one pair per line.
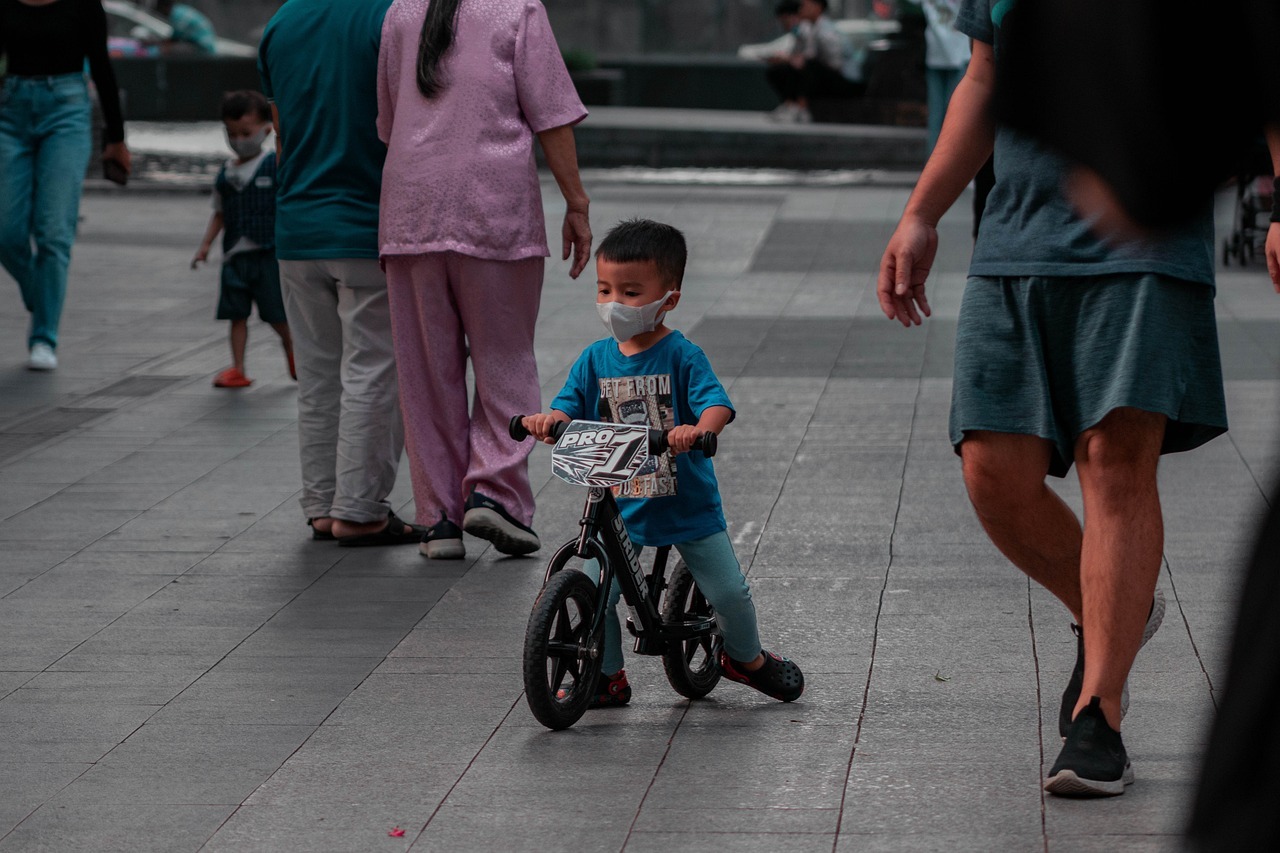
464, 86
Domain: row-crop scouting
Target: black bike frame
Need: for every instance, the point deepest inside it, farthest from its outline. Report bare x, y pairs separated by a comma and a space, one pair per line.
604, 534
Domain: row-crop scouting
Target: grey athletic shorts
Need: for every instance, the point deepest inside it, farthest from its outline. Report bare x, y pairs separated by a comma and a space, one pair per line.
1052, 357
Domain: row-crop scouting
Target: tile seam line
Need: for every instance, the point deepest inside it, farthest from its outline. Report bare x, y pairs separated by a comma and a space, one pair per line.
465, 771
754, 550
1035, 659
1186, 624
888, 569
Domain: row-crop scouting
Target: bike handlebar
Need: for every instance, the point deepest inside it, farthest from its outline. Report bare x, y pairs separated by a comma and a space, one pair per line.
707, 442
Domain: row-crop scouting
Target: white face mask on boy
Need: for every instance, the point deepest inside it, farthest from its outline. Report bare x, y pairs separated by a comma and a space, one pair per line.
248, 147
624, 322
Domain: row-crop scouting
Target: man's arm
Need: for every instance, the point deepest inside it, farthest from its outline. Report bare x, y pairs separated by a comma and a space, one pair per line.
1273, 233
965, 143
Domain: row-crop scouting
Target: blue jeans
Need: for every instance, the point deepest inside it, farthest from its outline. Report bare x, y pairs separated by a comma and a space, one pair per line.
719, 576
44, 151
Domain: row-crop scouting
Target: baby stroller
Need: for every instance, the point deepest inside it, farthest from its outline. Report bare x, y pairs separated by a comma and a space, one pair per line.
1254, 198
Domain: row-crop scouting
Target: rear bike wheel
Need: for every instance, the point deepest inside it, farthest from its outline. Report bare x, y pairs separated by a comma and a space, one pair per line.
559, 675
692, 665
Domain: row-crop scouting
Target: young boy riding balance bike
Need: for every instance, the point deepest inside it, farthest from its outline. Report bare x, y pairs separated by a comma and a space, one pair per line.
649, 374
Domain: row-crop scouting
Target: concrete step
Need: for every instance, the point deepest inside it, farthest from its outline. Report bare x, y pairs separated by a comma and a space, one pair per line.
188, 154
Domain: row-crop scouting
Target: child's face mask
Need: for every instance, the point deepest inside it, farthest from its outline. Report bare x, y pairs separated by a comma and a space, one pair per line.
246, 147
624, 322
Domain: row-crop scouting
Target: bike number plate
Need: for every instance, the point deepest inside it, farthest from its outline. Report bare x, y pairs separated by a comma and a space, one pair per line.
600, 454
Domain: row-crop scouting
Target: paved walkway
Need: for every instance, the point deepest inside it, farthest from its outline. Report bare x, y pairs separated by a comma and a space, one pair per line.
181, 669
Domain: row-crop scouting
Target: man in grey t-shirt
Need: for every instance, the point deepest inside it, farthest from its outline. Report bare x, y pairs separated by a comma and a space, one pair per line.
1068, 351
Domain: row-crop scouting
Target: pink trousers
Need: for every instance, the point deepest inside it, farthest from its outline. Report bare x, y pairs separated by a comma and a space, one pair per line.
444, 308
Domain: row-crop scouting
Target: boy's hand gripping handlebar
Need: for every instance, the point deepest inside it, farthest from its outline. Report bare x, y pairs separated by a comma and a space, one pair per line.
657, 437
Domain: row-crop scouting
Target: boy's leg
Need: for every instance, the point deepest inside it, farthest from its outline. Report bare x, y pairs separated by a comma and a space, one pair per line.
266, 292
498, 305
235, 304
239, 339
719, 576
611, 655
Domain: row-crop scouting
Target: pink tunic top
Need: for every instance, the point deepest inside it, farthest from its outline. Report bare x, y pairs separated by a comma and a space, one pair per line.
460, 174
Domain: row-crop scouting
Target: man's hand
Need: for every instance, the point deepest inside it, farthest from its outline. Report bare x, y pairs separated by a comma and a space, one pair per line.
1273, 253
903, 269
201, 256
577, 238
539, 425
682, 438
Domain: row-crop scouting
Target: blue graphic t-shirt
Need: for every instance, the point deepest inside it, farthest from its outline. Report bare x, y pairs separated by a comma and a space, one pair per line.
675, 498
1028, 227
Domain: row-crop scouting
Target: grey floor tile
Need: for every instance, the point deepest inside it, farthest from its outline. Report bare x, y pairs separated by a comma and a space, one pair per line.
124, 828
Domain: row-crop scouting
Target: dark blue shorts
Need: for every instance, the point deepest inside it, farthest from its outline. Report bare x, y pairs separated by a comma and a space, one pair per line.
1051, 357
248, 278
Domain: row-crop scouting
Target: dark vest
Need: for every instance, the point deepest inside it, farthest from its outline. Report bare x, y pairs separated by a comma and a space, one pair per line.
251, 211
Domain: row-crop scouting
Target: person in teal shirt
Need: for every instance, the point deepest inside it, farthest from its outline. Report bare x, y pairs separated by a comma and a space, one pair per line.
318, 60
190, 26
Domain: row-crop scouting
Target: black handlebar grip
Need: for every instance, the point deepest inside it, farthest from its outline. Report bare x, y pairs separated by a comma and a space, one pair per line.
707, 443
516, 428
558, 429
658, 443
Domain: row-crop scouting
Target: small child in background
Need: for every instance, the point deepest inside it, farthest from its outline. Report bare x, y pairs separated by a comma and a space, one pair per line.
244, 210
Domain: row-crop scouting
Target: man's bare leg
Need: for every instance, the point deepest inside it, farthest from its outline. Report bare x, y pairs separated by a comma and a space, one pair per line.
1122, 548
1024, 518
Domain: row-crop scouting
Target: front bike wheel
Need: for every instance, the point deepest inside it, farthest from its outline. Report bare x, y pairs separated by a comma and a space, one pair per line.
559, 675
692, 665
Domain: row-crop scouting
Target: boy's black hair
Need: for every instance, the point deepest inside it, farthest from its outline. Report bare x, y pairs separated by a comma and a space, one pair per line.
786, 7
645, 240
237, 104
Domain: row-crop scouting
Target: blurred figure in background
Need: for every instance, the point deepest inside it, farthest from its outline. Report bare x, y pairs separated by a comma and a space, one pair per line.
45, 144
946, 57
192, 30
823, 64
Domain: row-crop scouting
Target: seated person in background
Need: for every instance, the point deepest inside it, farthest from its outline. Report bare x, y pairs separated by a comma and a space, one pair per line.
823, 64
192, 31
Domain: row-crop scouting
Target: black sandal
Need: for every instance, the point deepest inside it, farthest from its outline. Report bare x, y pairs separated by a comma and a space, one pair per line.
396, 532
778, 677
321, 535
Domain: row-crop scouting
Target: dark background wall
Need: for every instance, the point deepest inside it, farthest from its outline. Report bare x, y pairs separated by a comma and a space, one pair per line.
601, 27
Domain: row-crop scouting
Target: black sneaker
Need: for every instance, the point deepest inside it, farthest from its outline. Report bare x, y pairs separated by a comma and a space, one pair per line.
1071, 695
488, 519
778, 677
442, 541
1093, 762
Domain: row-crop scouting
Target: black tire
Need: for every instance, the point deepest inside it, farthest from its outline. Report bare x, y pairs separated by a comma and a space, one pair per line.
559, 629
693, 665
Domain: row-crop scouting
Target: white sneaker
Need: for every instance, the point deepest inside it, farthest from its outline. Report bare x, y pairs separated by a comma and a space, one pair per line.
41, 357
802, 116
783, 113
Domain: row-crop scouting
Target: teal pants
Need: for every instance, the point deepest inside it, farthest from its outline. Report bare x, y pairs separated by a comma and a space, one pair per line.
719, 576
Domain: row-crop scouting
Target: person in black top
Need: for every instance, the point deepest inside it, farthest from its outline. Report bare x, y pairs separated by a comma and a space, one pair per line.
44, 148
